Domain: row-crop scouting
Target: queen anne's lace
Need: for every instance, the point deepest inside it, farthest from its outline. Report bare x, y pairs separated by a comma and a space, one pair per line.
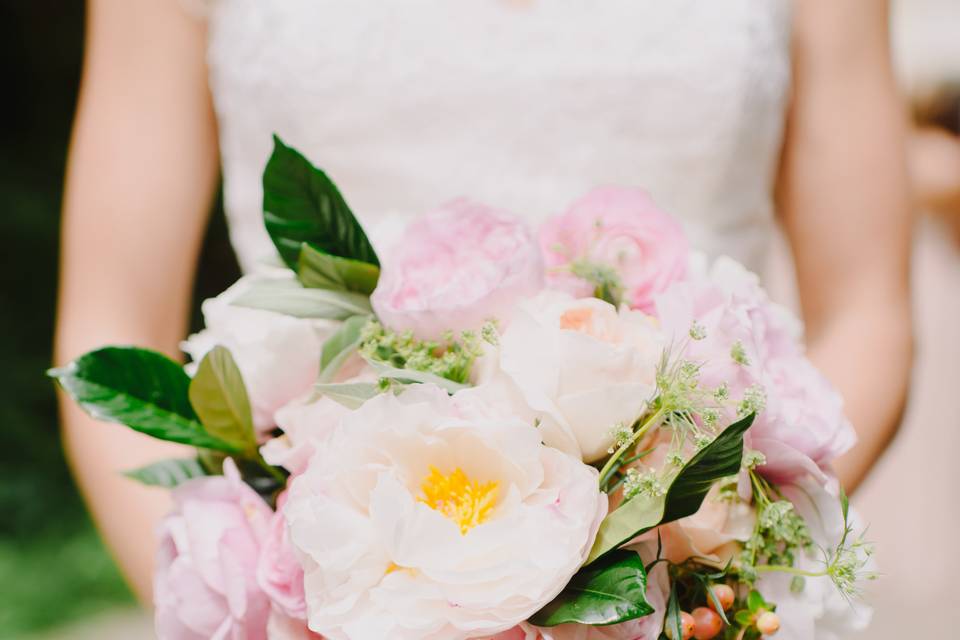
408, 103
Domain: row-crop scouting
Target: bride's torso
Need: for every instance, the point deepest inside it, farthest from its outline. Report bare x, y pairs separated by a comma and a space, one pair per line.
521, 104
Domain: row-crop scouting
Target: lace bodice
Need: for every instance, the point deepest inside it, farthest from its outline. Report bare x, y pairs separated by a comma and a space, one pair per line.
524, 104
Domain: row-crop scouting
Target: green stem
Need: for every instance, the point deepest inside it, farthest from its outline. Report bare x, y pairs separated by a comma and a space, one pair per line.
611, 464
770, 568
273, 471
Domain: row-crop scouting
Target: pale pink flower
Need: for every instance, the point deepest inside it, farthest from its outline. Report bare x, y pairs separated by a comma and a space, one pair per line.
456, 268
283, 627
279, 573
618, 228
748, 341
803, 421
205, 585
305, 422
386, 552
277, 354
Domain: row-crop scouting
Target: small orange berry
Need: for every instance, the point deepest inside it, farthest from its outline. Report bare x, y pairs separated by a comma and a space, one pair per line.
768, 623
724, 594
686, 626
707, 623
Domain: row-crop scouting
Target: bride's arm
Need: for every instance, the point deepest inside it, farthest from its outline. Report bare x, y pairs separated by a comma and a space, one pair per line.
844, 198
141, 174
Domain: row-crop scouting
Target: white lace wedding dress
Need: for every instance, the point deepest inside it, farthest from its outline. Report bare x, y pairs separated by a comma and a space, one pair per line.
523, 104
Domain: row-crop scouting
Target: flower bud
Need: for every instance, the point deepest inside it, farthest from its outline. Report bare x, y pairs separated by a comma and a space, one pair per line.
707, 624
687, 626
768, 623
724, 595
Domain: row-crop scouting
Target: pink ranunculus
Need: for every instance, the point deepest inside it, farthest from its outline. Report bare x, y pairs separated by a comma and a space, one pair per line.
206, 585
618, 228
456, 268
279, 573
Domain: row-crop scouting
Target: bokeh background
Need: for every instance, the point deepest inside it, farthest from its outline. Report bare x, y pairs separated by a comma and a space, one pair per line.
58, 583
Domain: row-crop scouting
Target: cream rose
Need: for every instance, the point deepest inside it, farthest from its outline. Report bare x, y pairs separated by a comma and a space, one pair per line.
582, 366
424, 517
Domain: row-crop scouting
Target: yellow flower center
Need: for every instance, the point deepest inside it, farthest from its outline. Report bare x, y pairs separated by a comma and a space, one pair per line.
455, 495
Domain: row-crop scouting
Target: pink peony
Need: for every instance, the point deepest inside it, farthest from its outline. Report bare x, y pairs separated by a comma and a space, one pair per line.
748, 341
803, 429
618, 228
206, 585
279, 574
456, 268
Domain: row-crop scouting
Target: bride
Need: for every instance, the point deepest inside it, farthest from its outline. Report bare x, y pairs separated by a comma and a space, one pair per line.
724, 111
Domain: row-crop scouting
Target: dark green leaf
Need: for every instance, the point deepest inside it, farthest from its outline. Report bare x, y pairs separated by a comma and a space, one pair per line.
139, 388
219, 397
338, 347
168, 473
607, 592
289, 298
320, 270
684, 496
301, 204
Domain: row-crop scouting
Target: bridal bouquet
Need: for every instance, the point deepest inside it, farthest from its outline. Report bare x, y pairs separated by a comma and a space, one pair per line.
581, 433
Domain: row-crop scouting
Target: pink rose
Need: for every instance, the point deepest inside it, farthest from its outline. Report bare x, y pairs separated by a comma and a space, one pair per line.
279, 573
620, 229
206, 585
456, 268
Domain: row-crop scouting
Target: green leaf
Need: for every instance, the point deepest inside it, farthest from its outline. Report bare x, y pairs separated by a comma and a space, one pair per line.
289, 298
673, 623
301, 204
743, 617
755, 601
687, 489
717, 606
320, 270
141, 389
412, 376
168, 473
844, 505
338, 347
607, 592
350, 394
219, 397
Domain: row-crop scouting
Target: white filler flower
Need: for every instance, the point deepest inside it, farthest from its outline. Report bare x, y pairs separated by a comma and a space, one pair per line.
431, 517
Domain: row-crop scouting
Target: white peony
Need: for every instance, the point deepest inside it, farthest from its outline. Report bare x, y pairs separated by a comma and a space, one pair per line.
581, 366
278, 355
306, 422
425, 517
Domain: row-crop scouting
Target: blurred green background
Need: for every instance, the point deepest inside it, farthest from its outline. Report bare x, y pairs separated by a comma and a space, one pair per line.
53, 568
